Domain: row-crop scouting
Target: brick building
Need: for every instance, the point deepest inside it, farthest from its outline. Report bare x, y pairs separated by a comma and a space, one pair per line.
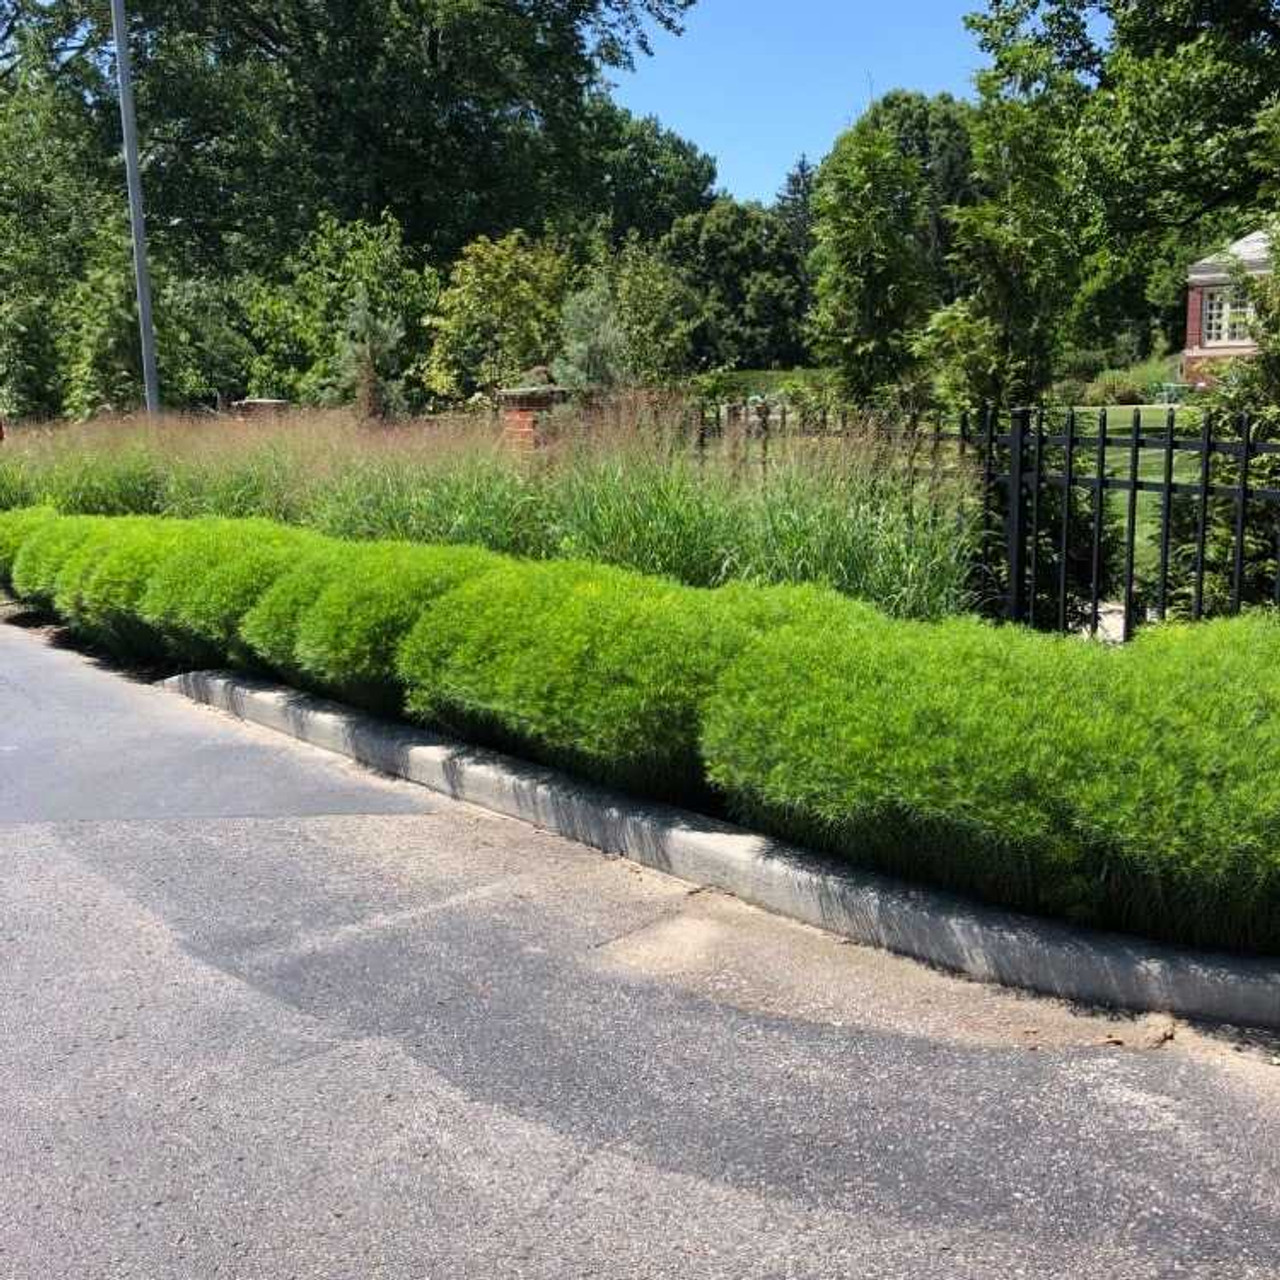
1219, 313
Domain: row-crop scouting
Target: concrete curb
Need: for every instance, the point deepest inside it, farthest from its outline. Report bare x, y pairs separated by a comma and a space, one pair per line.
986, 944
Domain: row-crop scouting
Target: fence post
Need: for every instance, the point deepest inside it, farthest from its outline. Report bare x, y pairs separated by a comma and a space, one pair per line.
1020, 420
1242, 507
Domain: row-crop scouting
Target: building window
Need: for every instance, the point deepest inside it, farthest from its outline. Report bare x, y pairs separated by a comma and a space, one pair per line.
1227, 316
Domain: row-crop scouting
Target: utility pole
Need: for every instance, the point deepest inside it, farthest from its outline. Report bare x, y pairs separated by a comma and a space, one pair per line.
137, 220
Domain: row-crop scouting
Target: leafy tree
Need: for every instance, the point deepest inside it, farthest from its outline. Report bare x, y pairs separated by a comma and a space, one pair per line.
98, 336
1166, 137
936, 132
639, 176
739, 260
960, 350
53, 201
458, 116
300, 326
870, 268
594, 352
1017, 249
794, 205
368, 366
203, 348
658, 312
499, 315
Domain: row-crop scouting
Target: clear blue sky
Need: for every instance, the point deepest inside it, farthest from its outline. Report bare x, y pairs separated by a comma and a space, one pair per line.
757, 82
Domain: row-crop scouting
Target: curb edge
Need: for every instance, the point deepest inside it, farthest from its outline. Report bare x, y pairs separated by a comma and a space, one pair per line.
983, 943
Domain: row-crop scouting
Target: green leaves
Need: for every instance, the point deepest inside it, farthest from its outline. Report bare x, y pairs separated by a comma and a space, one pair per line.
499, 315
870, 277
1127, 787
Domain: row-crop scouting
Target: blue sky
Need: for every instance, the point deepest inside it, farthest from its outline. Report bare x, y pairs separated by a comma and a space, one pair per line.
756, 82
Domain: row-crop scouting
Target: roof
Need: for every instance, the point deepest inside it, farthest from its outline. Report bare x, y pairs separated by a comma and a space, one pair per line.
1253, 253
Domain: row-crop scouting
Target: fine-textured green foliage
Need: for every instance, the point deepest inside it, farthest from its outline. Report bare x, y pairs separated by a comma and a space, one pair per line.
849, 513
270, 628
500, 314
1129, 788
43, 554
598, 668
347, 640
211, 578
100, 597
16, 527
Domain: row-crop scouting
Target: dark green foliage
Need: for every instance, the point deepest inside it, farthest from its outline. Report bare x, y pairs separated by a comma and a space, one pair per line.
210, 578
1129, 788
347, 641
741, 263
870, 269
15, 528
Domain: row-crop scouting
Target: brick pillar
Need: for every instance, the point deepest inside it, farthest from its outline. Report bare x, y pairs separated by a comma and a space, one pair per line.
1195, 313
522, 410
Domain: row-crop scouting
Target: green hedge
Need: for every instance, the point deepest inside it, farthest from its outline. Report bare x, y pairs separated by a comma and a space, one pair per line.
270, 627
1134, 788
15, 528
42, 555
347, 641
100, 587
211, 577
599, 669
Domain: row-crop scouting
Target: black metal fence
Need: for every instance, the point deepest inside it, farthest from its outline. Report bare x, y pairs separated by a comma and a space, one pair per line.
1066, 492
1093, 520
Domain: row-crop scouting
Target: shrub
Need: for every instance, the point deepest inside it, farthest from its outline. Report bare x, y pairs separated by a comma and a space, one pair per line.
43, 554
599, 669
347, 641
15, 528
1115, 387
1122, 788
1133, 787
77, 568
100, 589
210, 578
270, 628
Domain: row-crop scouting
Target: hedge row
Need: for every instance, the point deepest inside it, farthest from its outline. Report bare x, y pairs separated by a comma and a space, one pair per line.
1134, 788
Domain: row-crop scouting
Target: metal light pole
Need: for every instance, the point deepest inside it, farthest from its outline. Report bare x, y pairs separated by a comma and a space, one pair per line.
137, 220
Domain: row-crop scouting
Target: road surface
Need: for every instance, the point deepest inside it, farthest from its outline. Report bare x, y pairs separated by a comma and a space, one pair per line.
265, 1015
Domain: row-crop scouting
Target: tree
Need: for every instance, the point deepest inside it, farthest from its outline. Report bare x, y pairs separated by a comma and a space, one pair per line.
499, 315
301, 326
937, 133
794, 206
1166, 145
1015, 253
594, 353
458, 116
871, 279
739, 260
639, 176
53, 202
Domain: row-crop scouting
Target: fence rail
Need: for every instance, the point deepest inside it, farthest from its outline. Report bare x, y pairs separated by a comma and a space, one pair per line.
1145, 513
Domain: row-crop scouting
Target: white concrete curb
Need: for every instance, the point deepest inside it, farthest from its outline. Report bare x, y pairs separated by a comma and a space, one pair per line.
982, 943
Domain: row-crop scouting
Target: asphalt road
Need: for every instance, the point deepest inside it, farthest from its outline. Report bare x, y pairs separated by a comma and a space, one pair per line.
265, 1015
